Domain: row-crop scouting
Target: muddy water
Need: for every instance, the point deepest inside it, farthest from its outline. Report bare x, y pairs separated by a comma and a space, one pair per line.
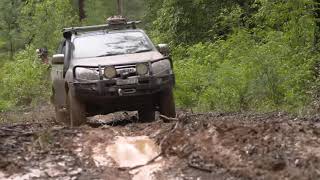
129, 152
147, 172
133, 151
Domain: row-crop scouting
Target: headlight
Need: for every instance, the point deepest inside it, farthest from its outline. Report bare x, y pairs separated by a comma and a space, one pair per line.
110, 72
162, 67
142, 69
87, 74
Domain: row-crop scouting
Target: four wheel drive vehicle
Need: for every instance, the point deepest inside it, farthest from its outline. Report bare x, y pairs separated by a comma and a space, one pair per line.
108, 68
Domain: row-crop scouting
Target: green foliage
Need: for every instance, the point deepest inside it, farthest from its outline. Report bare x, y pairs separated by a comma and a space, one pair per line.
10, 38
134, 9
42, 22
193, 21
265, 68
23, 80
39, 24
232, 55
97, 11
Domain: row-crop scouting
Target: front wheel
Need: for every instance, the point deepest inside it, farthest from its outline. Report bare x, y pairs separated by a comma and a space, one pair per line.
77, 111
167, 105
146, 114
61, 115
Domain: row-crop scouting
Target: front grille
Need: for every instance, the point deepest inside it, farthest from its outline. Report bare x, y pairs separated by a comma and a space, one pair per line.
122, 71
144, 81
126, 71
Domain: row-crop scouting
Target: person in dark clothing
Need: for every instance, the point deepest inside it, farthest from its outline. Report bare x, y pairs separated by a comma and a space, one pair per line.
43, 55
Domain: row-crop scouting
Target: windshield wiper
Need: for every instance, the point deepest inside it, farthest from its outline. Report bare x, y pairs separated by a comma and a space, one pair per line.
109, 54
141, 51
114, 54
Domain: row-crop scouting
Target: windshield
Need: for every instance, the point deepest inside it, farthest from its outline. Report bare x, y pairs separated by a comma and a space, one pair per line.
108, 44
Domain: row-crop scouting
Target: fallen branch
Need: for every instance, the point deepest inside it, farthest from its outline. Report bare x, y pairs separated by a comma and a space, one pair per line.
199, 168
139, 166
168, 119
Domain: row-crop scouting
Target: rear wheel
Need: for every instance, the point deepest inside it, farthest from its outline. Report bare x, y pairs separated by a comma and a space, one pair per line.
77, 111
166, 104
146, 115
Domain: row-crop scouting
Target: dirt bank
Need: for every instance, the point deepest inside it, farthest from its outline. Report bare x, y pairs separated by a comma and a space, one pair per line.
194, 146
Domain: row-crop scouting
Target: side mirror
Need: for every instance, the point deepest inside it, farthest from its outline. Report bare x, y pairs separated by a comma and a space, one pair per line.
164, 49
58, 59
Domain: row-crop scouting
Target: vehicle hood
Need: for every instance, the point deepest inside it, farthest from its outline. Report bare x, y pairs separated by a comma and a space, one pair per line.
118, 59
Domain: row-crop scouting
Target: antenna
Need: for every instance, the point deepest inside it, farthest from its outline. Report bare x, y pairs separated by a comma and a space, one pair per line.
120, 7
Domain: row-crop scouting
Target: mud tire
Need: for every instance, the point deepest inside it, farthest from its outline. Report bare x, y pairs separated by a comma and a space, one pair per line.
146, 115
167, 105
77, 111
61, 115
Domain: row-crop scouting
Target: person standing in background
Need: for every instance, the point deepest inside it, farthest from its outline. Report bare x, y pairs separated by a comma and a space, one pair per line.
43, 55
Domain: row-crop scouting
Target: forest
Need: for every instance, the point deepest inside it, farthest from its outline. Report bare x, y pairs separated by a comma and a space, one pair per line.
246, 100
229, 56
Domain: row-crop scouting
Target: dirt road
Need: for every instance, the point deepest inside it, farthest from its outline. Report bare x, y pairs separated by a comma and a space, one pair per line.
193, 147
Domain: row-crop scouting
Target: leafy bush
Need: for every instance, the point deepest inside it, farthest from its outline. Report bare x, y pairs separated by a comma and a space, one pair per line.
249, 72
42, 22
23, 80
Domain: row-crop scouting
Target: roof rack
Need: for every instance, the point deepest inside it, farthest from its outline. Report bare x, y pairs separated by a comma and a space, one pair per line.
113, 23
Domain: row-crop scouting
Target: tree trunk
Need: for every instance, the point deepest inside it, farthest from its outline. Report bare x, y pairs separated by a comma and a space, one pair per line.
120, 7
82, 13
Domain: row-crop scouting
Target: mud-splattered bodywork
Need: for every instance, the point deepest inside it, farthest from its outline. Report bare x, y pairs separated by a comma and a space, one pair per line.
127, 90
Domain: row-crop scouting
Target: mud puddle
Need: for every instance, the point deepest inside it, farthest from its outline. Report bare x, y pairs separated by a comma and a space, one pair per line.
129, 152
139, 155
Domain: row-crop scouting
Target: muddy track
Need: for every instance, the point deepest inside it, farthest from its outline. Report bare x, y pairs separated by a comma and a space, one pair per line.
193, 146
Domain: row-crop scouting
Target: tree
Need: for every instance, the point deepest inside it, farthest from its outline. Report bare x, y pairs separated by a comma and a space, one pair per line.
82, 13
10, 37
134, 9
189, 21
99, 10
42, 22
